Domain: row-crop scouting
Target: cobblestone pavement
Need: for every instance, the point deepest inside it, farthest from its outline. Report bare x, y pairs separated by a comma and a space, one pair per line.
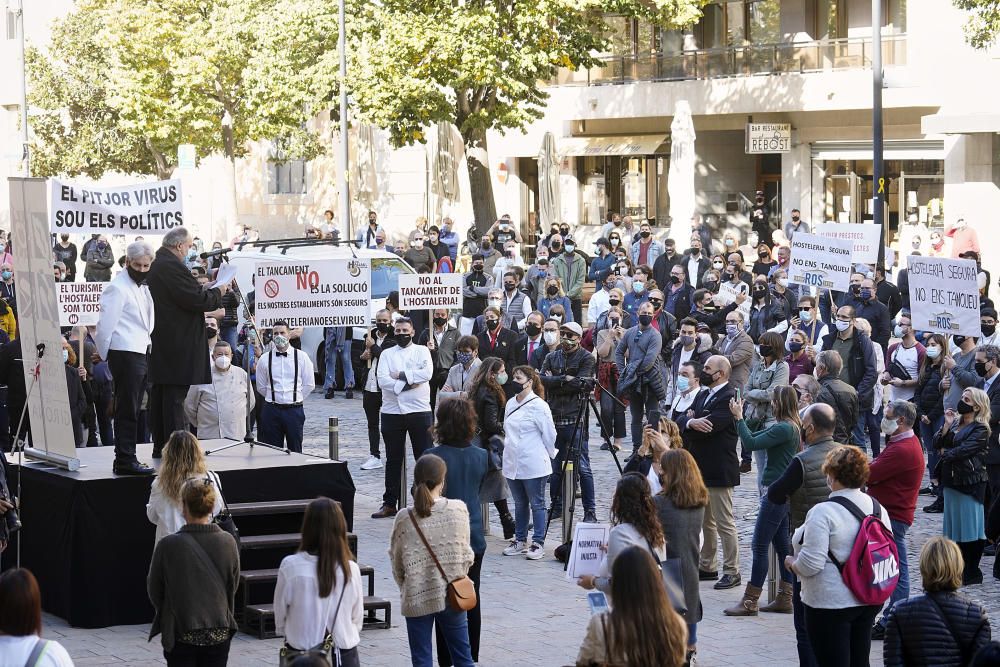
531, 613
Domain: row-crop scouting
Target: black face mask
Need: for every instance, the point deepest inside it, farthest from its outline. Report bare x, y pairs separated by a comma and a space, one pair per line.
477, 268
763, 255
440, 321
964, 408
564, 231
383, 327
695, 251
403, 340
958, 340
64, 238
532, 329
551, 291
509, 286
988, 329
657, 304
675, 280
766, 351
615, 302
981, 369
492, 324
710, 285
644, 235
556, 246
645, 320
760, 290
211, 332
138, 276
487, 245
706, 378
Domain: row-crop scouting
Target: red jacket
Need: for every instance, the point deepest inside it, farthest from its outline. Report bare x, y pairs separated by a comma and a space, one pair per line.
895, 478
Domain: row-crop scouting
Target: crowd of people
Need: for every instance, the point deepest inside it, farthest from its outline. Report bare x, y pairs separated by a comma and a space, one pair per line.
705, 359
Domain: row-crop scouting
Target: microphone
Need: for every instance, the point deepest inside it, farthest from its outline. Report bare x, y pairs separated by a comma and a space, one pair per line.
214, 253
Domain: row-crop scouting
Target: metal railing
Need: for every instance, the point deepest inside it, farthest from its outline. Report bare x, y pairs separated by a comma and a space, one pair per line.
750, 60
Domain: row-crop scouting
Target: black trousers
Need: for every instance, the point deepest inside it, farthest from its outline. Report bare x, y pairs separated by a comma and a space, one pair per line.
188, 655
372, 403
841, 637
97, 419
394, 431
474, 616
128, 369
576, 304
166, 412
438, 380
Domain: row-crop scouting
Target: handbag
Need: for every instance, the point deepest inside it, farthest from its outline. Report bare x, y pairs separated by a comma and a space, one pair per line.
224, 519
673, 581
287, 654
460, 594
896, 369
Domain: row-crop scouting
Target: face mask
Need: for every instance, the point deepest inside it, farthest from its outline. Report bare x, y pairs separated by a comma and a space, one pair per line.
64, 238
501, 378
989, 329
759, 290
433, 239
638, 287
766, 351
763, 255
614, 243
675, 280
464, 358
710, 285
223, 362
383, 327
569, 345
418, 244
795, 347
732, 329
888, 426
65, 356
843, 326
402, 340
795, 218
964, 408
509, 286
959, 340
730, 243
556, 246
570, 248
866, 294
525, 386
981, 369
899, 331
495, 303
564, 231
551, 337
683, 384
644, 235
487, 245
477, 268
934, 352
6, 275
610, 286
782, 282
616, 223
552, 290
492, 324
137, 276
211, 332
645, 320
695, 251
706, 378
805, 315
532, 329
556, 316
440, 321
687, 341
657, 304
280, 342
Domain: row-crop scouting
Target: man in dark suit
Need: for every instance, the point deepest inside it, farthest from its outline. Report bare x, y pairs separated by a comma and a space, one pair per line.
709, 432
177, 358
531, 340
988, 368
695, 263
496, 341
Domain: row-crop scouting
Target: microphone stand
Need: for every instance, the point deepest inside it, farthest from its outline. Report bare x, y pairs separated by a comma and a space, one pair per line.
21, 442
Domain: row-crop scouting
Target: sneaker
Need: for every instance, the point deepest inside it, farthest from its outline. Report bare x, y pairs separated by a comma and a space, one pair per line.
728, 581
535, 552
516, 548
928, 491
878, 632
373, 463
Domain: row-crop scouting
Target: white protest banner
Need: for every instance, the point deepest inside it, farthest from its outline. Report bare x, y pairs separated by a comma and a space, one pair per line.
320, 293
587, 553
865, 239
728, 293
944, 295
144, 208
425, 291
821, 261
79, 303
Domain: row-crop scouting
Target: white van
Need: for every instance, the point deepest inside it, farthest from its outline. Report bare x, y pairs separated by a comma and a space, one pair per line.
386, 268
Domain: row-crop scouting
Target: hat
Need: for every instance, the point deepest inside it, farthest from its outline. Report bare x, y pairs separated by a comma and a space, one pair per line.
572, 327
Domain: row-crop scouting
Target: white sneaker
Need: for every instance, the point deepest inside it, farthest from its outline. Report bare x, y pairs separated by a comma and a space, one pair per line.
373, 463
516, 548
535, 552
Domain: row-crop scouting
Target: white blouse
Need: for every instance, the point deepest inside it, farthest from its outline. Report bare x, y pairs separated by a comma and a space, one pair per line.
167, 515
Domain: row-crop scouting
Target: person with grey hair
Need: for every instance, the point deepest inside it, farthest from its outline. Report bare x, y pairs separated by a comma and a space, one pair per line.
836, 393
894, 480
987, 367
123, 337
219, 409
98, 259
177, 359
59, 271
807, 388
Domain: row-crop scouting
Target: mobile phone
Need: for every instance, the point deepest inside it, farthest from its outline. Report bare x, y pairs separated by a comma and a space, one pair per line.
654, 419
597, 601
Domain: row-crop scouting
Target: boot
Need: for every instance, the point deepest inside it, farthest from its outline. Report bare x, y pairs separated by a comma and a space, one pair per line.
972, 552
506, 520
782, 602
748, 605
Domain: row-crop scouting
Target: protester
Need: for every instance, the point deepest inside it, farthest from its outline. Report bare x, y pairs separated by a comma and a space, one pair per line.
487, 397
988, 369
612, 409
870, 418
571, 269
460, 375
337, 347
182, 460
737, 347
807, 320
440, 340
769, 371
98, 259
403, 375
646, 460
963, 441
554, 295
21, 642
533, 338
642, 283
796, 225
379, 338
858, 367
179, 305
929, 400
366, 236
192, 583
74, 385
318, 599
433, 534
219, 409
640, 375
903, 361
839, 628
468, 469
285, 379
515, 305
836, 393
66, 252
894, 480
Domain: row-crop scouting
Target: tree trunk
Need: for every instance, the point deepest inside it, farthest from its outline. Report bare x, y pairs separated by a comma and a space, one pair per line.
481, 185
226, 228
163, 169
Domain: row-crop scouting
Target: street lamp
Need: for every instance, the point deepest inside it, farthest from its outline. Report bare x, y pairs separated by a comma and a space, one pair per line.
15, 28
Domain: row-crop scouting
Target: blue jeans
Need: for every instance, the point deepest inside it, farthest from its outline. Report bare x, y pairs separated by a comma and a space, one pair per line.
858, 432
229, 334
454, 625
529, 495
771, 528
564, 438
692, 634
927, 432
903, 586
334, 349
873, 424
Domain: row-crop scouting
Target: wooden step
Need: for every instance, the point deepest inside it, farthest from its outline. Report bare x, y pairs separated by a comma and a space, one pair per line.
250, 578
258, 619
268, 507
255, 576
277, 540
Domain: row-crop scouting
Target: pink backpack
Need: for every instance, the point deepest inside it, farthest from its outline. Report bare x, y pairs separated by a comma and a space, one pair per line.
872, 570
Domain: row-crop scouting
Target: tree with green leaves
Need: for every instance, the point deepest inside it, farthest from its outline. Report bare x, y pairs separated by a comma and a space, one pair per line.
479, 64
984, 22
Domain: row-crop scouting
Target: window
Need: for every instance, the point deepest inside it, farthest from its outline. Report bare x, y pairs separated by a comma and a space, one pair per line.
385, 275
285, 176
12, 20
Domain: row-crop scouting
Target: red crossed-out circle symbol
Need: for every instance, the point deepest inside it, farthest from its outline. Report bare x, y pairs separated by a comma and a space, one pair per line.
271, 288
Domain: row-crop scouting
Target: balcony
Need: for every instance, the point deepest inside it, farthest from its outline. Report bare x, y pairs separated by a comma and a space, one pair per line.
751, 60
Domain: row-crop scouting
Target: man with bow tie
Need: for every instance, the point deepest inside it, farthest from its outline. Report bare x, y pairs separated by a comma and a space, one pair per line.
284, 378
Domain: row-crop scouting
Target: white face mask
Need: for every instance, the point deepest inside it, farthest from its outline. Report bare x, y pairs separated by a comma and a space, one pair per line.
551, 337
495, 303
934, 352
843, 326
889, 426
223, 362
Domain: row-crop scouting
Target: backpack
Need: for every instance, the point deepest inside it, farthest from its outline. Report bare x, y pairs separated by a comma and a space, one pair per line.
872, 569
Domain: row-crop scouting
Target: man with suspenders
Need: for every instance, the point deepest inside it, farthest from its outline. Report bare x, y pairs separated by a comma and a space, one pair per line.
284, 378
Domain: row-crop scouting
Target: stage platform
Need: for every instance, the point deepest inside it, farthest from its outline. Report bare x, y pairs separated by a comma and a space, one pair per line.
86, 537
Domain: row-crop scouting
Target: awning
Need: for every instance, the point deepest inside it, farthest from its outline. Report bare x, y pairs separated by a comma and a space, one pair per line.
960, 123
530, 146
895, 149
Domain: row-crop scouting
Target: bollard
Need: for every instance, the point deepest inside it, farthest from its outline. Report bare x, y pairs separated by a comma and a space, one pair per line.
568, 500
334, 435
772, 574
486, 519
404, 489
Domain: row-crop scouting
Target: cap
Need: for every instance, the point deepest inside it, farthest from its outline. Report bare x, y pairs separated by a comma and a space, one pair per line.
573, 327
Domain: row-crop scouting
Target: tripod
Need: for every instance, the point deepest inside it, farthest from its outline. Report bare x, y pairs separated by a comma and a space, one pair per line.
571, 458
21, 441
248, 438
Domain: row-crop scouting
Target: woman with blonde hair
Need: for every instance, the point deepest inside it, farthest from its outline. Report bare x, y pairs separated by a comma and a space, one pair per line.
182, 460
929, 400
656, 439
940, 627
680, 507
962, 443
555, 296
642, 629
